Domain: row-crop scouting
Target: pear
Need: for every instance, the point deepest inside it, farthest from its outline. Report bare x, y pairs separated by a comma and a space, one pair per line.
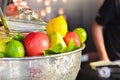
3, 42
56, 39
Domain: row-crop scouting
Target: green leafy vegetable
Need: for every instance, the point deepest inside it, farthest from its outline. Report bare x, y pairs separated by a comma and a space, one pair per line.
71, 46
57, 48
48, 52
53, 50
19, 37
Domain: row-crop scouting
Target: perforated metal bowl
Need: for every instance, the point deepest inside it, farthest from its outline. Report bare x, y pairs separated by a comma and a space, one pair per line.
64, 66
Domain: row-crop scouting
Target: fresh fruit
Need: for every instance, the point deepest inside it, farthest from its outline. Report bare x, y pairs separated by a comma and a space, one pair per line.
3, 42
81, 33
2, 54
74, 36
15, 49
55, 39
60, 25
35, 43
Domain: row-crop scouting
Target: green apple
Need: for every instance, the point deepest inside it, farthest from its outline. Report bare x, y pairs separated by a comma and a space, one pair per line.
81, 33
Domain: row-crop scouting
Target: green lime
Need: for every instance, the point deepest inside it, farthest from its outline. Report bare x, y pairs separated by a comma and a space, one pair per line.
81, 33
15, 49
1, 54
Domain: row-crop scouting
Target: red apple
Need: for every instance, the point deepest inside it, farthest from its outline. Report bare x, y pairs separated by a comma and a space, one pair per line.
75, 37
35, 43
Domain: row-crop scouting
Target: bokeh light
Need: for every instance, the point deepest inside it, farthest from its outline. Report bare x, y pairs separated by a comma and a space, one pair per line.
36, 15
61, 11
46, 2
54, 0
39, 1
48, 9
42, 13
64, 1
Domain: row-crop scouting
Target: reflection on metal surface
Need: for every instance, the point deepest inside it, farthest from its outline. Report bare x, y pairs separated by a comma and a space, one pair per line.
63, 66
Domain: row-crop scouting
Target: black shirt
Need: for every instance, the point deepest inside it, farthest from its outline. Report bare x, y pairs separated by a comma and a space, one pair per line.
109, 17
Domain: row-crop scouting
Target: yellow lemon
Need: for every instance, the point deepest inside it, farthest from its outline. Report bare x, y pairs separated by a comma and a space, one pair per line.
57, 24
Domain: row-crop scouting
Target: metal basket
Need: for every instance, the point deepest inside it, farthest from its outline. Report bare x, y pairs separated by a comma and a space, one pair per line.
64, 66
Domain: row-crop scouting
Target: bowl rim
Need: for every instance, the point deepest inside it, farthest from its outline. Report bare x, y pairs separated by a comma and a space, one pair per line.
43, 57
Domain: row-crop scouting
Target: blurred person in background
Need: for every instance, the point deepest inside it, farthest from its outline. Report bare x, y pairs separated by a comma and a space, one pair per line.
45, 9
106, 30
13, 8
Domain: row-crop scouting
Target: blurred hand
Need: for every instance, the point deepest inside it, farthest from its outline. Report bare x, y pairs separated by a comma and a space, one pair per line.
13, 8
